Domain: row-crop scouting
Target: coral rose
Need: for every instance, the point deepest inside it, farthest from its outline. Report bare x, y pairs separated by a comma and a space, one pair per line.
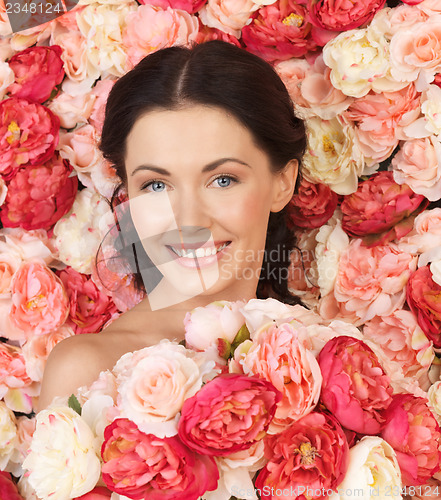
205, 34
39, 300
37, 71
228, 414
342, 16
310, 456
279, 31
371, 281
414, 434
39, 196
312, 205
28, 134
278, 355
418, 164
90, 309
145, 466
355, 388
424, 299
381, 208
191, 6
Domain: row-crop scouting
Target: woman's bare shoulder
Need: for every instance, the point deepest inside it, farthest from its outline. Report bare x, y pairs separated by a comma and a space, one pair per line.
77, 361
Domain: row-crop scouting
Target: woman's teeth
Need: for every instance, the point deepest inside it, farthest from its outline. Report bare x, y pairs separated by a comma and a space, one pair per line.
198, 252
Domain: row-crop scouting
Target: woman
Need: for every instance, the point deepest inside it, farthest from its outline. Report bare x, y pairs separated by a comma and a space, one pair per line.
207, 147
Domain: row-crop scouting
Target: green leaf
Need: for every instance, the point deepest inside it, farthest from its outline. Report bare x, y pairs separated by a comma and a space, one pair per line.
74, 403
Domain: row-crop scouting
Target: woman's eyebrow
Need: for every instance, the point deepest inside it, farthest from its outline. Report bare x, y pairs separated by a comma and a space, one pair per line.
208, 168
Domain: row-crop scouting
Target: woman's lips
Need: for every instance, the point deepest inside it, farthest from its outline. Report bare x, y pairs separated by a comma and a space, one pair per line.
199, 262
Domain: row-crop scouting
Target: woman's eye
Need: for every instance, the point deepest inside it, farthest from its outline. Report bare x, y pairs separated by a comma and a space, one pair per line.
224, 180
155, 186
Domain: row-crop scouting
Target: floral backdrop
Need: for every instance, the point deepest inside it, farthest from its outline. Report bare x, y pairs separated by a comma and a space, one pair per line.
366, 77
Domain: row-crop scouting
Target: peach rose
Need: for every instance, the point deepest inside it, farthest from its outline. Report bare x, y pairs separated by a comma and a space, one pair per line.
415, 52
38, 347
39, 301
430, 7
13, 373
418, 164
72, 109
34, 244
401, 339
80, 148
371, 281
277, 355
6, 78
229, 16
378, 120
388, 21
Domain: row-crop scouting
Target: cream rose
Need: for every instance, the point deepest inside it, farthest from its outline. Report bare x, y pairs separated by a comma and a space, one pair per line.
154, 382
359, 62
63, 461
332, 156
434, 397
8, 435
373, 469
79, 233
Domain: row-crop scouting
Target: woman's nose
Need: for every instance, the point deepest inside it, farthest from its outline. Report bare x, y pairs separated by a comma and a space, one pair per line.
190, 210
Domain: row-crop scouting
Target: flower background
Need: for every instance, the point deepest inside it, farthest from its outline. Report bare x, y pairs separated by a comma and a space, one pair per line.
365, 76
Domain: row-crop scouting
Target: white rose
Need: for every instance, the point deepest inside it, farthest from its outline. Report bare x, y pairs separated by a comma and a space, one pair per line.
373, 469
102, 25
64, 460
154, 382
258, 312
79, 233
359, 62
331, 242
332, 156
8, 435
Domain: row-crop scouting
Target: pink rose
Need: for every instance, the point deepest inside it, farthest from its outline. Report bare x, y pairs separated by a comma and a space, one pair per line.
412, 2
218, 320
144, 466
39, 300
8, 489
312, 205
371, 281
413, 432
39, 196
381, 208
430, 7
378, 119
80, 148
37, 71
424, 299
355, 388
98, 493
28, 134
100, 92
312, 455
13, 373
415, 52
228, 414
403, 342
342, 16
151, 28
90, 309
277, 355
38, 347
417, 164
279, 31
191, 6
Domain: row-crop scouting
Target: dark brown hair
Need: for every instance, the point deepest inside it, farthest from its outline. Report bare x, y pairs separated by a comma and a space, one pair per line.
218, 74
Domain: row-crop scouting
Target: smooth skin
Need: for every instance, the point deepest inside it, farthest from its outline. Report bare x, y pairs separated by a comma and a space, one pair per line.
170, 163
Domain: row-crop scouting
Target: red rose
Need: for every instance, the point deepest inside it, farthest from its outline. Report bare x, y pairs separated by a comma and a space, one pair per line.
424, 298
354, 388
342, 16
39, 196
8, 489
413, 432
308, 458
142, 466
90, 309
382, 208
191, 6
279, 31
28, 134
312, 206
229, 413
37, 71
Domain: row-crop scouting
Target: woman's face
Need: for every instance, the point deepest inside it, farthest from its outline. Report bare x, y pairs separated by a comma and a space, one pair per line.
200, 194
